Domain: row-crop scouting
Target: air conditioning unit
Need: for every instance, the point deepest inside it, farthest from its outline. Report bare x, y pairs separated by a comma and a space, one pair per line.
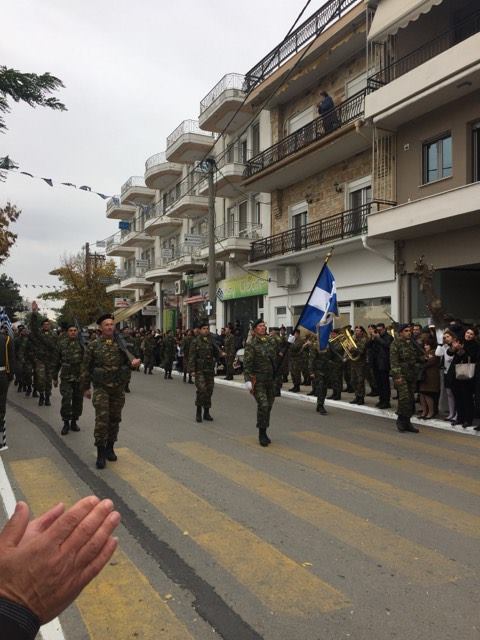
287, 277
179, 287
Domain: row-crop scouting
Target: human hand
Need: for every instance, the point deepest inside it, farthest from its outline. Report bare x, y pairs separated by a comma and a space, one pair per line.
87, 394
47, 562
136, 362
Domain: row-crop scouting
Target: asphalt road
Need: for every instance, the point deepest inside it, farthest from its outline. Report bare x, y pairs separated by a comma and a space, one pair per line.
342, 528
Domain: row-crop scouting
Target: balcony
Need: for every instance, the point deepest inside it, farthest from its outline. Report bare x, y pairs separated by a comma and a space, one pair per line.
137, 239
184, 201
188, 143
135, 279
322, 143
157, 223
440, 71
234, 238
340, 226
159, 173
187, 258
222, 109
134, 190
118, 211
114, 246
159, 272
117, 288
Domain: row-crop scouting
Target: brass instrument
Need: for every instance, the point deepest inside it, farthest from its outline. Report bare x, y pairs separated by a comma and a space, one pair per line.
347, 342
392, 329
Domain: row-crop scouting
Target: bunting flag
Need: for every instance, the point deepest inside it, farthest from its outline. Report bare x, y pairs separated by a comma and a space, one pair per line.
5, 322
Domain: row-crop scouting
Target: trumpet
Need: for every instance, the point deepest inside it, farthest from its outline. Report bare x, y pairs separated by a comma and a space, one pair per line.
346, 340
392, 328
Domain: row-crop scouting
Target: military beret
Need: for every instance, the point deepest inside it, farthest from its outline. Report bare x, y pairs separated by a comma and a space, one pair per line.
106, 316
403, 326
257, 322
69, 325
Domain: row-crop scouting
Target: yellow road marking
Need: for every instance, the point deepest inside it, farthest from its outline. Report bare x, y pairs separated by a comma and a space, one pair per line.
464, 483
418, 563
417, 445
277, 581
438, 512
462, 440
120, 603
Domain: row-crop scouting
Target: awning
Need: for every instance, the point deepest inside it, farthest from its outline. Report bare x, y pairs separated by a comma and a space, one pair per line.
123, 314
195, 299
392, 15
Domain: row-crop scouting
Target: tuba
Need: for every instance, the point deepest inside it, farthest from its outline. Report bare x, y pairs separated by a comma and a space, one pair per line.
347, 342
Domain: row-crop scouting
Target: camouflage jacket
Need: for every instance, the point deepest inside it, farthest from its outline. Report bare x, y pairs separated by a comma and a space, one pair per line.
20, 345
319, 359
361, 350
169, 351
229, 346
203, 354
260, 359
44, 343
296, 350
104, 364
69, 360
186, 344
405, 359
148, 345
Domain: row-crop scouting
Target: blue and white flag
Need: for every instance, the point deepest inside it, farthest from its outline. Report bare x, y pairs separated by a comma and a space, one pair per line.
321, 307
5, 321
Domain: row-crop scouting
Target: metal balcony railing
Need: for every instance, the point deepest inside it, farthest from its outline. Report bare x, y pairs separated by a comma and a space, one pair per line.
158, 263
229, 81
238, 229
153, 161
116, 240
311, 28
461, 30
186, 251
187, 126
134, 181
113, 202
135, 272
346, 112
235, 154
337, 227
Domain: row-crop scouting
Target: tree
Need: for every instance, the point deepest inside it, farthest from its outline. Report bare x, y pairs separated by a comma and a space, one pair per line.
83, 288
9, 213
10, 297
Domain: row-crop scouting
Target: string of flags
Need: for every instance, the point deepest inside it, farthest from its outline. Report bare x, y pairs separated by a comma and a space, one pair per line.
7, 165
41, 286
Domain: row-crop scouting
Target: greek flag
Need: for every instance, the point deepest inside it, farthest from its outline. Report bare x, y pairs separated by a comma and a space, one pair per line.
321, 307
5, 321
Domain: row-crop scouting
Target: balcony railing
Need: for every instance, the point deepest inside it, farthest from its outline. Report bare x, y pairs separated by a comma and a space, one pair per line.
135, 272
187, 126
461, 30
342, 225
116, 240
113, 202
311, 28
186, 251
237, 229
159, 263
134, 181
229, 81
346, 112
153, 161
236, 154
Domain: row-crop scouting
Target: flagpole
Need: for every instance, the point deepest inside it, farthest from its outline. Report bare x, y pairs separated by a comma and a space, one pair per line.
327, 258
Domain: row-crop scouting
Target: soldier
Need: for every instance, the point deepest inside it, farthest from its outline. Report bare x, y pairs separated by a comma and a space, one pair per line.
319, 366
358, 366
201, 363
148, 348
230, 351
258, 363
186, 344
20, 347
107, 365
69, 361
335, 370
7, 367
279, 345
169, 350
129, 342
28, 367
404, 365
44, 344
295, 354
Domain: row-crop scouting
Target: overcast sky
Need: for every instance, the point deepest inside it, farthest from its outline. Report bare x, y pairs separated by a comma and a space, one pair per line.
133, 71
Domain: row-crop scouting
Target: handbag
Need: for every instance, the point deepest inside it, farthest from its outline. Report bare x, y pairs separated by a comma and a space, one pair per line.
465, 371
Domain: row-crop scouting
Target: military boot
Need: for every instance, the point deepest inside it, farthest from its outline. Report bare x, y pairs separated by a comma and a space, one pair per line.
35, 393
47, 400
295, 388
321, 410
190, 380
165, 377
401, 424
185, 377
65, 428
198, 417
263, 439
110, 453
28, 391
409, 426
206, 415
73, 425
101, 458
127, 388
20, 388
41, 400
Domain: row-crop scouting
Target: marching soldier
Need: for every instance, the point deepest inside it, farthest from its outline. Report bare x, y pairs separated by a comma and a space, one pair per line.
295, 354
106, 365
148, 348
201, 363
186, 344
258, 364
44, 344
319, 365
230, 351
279, 345
358, 367
335, 371
405, 360
69, 363
169, 349
20, 346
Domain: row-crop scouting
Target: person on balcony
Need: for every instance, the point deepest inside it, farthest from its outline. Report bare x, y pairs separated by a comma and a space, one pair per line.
326, 109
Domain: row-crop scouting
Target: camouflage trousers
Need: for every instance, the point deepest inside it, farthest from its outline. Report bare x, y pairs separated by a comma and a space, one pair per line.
320, 387
72, 399
358, 379
204, 383
370, 375
335, 378
296, 372
108, 403
148, 362
167, 364
264, 394
26, 373
42, 376
406, 397
229, 366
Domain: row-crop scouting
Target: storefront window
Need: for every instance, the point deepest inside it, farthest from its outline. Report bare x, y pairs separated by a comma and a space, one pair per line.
371, 311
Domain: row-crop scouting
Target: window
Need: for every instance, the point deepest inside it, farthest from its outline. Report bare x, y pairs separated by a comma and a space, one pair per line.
257, 212
359, 194
437, 159
301, 119
476, 152
256, 138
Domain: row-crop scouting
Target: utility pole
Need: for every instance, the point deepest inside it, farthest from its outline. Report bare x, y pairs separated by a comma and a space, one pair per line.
87, 263
212, 285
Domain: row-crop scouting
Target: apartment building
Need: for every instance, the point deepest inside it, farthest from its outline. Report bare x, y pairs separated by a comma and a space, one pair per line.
424, 105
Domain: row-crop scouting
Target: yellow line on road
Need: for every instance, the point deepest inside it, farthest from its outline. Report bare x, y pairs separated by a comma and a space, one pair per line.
450, 478
416, 445
120, 603
417, 562
460, 439
280, 583
438, 512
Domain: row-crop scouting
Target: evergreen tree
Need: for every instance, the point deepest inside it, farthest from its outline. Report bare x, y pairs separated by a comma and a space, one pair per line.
10, 297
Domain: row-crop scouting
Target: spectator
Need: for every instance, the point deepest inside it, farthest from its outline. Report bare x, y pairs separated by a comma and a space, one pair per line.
326, 109
429, 386
463, 390
444, 352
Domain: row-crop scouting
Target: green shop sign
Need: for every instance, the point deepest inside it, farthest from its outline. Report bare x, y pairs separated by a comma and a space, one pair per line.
244, 286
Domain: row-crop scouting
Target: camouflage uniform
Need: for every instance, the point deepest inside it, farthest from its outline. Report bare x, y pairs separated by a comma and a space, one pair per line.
69, 363
137, 342
186, 344
258, 367
358, 368
201, 361
148, 347
108, 368
229, 348
44, 345
295, 356
21, 344
306, 365
168, 354
405, 360
320, 360
278, 344
335, 370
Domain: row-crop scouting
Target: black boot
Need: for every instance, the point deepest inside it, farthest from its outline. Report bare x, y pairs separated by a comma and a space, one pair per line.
101, 459
190, 381
321, 410
150, 372
35, 394
354, 401
110, 453
20, 388
401, 424
198, 417
73, 425
360, 401
41, 400
206, 415
295, 389
170, 375
28, 391
409, 427
127, 388
47, 400
185, 377
165, 376
263, 439
65, 428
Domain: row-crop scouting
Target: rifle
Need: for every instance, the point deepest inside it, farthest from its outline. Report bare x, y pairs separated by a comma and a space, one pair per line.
120, 340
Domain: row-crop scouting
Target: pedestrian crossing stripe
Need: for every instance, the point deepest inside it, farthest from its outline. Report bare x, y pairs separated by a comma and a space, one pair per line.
280, 584
120, 603
416, 562
455, 480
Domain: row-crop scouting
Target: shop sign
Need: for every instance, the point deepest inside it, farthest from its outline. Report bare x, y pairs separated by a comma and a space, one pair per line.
243, 286
191, 240
149, 310
124, 225
167, 254
141, 263
121, 303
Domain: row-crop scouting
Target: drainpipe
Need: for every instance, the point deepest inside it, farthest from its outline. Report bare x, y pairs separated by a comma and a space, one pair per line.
375, 251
